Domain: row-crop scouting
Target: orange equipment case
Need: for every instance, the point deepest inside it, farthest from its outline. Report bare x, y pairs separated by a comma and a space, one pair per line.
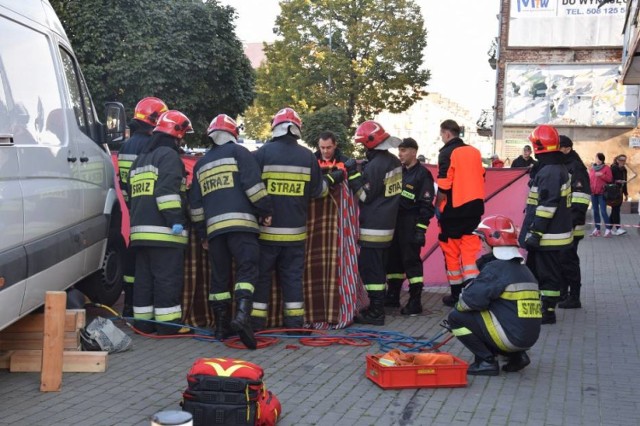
417, 376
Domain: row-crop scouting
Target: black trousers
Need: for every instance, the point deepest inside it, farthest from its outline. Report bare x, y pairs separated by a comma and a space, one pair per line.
159, 280
469, 328
570, 264
129, 272
288, 262
372, 263
404, 254
547, 268
223, 250
614, 217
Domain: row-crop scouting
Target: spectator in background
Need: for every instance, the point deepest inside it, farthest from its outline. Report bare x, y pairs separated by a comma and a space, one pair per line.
496, 162
599, 176
619, 174
524, 160
328, 154
421, 159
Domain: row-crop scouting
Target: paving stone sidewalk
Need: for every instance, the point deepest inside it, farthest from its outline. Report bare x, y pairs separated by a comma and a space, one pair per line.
584, 370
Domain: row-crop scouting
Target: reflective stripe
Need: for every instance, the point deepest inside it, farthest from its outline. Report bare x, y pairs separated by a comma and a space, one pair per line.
580, 198
546, 212
261, 306
157, 233
293, 312
462, 331
454, 277
392, 173
415, 280
142, 316
294, 305
294, 173
375, 287
462, 306
256, 192
165, 202
521, 295
219, 296
151, 171
228, 220
143, 310
386, 362
362, 195
197, 215
171, 316
550, 293
325, 188
497, 333
521, 286
376, 235
244, 286
355, 176
395, 276
407, 194
128, 279
258, 313
217, 166
556, 239
270, 233
286, 169
420, 225
127, 157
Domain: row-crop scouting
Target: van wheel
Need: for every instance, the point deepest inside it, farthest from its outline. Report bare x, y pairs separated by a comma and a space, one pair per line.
105, 286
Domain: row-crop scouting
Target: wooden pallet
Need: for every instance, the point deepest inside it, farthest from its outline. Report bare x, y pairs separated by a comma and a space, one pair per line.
49, 343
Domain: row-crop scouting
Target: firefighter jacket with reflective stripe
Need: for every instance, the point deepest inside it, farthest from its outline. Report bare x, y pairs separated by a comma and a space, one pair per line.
292, 177
128, 153
461, 179
580, 192
416, 198
378, 191
227, 192
548, 211
506, 295
158, 200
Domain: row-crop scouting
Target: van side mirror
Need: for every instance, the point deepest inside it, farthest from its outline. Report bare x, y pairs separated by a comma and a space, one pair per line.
115, 123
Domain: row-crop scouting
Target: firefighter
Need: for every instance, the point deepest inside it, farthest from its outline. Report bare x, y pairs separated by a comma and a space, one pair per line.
328, 154
499, 311
378, 189
415, 212
145, 117
580, 198
227, 200
459, 207
292, 177
156, 187
547, 228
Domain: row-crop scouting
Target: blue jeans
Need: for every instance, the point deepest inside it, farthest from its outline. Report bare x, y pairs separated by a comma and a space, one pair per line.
600, 207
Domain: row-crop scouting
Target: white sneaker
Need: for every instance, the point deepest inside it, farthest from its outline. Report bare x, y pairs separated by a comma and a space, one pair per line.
620, 231
595, 233
607, 233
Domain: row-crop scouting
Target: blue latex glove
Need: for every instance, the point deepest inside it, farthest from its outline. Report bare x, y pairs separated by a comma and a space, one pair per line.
177, 229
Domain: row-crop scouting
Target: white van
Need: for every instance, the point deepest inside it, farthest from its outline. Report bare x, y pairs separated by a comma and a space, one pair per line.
59, 213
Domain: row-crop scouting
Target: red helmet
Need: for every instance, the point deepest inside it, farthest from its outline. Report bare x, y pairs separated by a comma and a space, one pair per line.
286, 115
223, 123
544, 138
497, 231
174, 123
149, 110
370, 134
269, 409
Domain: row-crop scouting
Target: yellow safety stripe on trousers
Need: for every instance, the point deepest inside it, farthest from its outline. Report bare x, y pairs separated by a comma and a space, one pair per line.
197, 215
214, 297
416, 280
293, 312
244, 286
259, 310
168, 314
550, 293
375, 287
550, 240
376, 235
256, 192
128, 279
395, 276
545, 212
157, 233
143, 312
462, 331
228, 220
497, 333
579, 231
520, 295
454, 277
166, 202
580, 198
270, 233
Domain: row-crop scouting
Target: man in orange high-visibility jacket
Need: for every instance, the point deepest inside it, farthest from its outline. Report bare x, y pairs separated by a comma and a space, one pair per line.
459, 207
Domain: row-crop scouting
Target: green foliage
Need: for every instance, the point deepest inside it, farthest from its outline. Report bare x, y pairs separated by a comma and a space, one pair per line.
363, 56
182, 51
257, 123
330, 118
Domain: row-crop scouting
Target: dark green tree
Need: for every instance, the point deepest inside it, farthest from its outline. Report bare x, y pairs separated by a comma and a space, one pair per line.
361, 55
182, 51
330, 118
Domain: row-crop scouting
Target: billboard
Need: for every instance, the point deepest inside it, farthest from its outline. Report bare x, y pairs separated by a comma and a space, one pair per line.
568, 95
566, 23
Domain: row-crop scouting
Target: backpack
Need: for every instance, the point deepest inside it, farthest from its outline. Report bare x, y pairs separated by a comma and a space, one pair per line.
612, 194
226, 391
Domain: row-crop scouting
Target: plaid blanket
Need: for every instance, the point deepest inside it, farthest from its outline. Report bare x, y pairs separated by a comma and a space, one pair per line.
332, 287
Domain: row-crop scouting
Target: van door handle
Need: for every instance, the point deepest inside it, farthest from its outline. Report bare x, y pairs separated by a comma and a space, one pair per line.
84, 159
6, 139
72, 159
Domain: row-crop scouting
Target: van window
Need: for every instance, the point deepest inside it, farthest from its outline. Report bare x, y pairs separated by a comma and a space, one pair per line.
80, 100
29, 94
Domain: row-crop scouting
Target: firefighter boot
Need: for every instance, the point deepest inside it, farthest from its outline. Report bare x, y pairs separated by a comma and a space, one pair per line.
221, 317
414, 305
374, 314
517, 361
484, 367
452, 299
548, 312
295, 322
392, 297
572, 301
241, 324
